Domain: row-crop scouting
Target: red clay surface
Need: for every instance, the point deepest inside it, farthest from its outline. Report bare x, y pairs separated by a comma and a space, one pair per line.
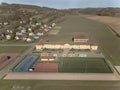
59, 76
5, 61
45, 67
3, 58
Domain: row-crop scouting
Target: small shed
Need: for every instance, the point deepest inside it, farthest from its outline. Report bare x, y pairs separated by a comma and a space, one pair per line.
47, 58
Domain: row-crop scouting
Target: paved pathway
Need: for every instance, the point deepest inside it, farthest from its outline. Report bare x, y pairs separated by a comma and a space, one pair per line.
59, 76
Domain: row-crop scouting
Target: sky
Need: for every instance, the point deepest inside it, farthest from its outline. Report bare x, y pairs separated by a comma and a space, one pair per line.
65, 4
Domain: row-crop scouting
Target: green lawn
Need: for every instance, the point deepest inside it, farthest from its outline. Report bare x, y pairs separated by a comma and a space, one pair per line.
58, 85
83, 65
14, 42
13, 49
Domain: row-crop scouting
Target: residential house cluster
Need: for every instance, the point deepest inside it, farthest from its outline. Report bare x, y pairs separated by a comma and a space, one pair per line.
28, 32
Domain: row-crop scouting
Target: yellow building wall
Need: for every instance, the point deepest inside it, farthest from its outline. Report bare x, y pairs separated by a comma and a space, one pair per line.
38, 47
48, 46
94, 47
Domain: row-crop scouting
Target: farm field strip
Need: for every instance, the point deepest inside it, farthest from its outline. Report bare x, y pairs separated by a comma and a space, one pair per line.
114, 22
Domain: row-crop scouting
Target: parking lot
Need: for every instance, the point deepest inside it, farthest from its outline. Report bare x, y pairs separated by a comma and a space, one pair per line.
72, 53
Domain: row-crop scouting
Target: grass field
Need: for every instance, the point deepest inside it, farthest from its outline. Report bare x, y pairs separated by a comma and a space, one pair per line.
83, 65
58, 85
13, 49
97, 32
114, 22
14, 41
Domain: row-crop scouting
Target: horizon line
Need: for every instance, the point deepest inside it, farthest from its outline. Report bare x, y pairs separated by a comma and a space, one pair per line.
61, 8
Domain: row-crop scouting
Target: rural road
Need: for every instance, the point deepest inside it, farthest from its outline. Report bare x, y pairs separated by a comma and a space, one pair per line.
32, 44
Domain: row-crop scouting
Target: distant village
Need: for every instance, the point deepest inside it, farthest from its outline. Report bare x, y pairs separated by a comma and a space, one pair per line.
30, 32
26, 23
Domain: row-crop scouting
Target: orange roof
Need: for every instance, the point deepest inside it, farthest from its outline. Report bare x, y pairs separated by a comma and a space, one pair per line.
42, 42
93, 44
63, 43
81, 37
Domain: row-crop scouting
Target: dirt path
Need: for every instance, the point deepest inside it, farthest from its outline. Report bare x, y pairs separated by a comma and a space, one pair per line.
59, 76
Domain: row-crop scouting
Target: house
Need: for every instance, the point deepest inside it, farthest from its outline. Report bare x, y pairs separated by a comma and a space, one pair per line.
18, 33
9, 31
50, 27
45, 25
1, 34
24, 37
31, 34
39, 33
33, 25
23, 31
29, 40
19, 27
38, 24
17, 38
53, 24
36, 37
30, 18
21, 22
46, 29
5, 23
47, 58
30, 29
81, 38
8, 37
94, 46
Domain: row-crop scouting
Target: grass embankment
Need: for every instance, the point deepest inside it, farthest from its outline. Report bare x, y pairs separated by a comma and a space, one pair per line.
14, 42
13, 49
